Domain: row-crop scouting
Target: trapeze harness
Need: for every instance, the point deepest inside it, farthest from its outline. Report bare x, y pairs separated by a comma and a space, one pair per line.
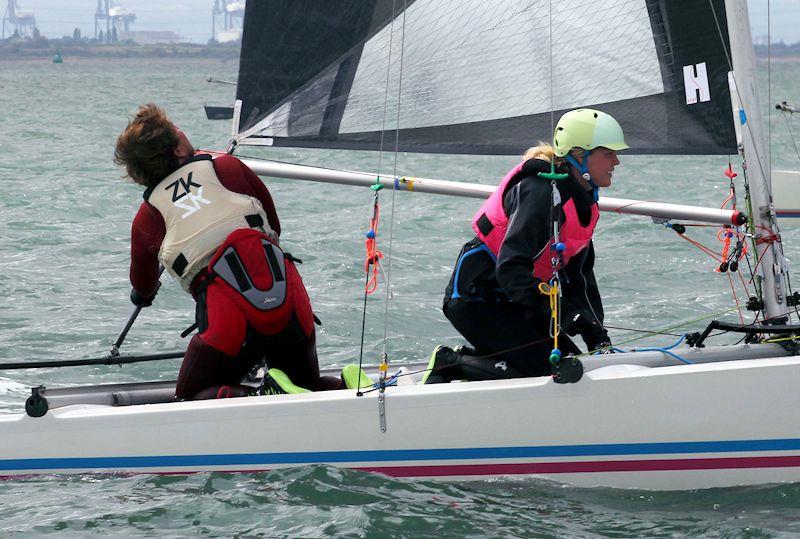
491, 225
243, 271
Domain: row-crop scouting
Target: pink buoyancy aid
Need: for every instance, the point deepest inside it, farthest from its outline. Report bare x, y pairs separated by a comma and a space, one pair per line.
491, 224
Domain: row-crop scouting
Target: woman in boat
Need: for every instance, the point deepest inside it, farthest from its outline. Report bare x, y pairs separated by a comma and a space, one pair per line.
212, 224
529, 231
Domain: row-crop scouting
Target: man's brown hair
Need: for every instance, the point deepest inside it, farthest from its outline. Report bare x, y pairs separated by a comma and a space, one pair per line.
146, 148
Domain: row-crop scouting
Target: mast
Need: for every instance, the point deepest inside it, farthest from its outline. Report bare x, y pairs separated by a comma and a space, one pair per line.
773, 267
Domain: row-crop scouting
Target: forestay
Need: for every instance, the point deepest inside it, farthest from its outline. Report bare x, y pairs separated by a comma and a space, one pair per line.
482, 77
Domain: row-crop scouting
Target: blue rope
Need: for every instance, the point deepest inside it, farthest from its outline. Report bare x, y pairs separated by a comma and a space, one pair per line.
388, 383
665, 350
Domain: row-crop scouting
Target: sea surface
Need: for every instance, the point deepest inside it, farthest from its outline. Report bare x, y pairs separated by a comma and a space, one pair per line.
65, 213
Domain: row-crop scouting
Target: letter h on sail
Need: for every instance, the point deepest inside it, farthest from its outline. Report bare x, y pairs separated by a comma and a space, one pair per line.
695, 82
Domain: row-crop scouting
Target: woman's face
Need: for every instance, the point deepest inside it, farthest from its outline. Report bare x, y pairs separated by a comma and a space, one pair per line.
601, 163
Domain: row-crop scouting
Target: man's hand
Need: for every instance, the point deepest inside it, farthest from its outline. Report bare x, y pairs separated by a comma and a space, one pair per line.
593, 333
143, 301
602, 347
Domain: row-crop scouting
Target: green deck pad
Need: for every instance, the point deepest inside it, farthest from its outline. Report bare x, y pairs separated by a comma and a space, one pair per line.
355, 377
286, 384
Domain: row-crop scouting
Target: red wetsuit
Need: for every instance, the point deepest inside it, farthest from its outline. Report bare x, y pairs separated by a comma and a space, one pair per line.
209, 363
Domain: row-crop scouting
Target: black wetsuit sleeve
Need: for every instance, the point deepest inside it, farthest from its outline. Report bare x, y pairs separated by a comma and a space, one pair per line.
581, 293
529, 205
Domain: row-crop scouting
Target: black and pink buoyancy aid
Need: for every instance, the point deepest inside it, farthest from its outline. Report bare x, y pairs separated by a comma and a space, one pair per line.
491, 224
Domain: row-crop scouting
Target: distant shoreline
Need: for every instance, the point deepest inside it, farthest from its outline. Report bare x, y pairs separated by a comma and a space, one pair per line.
42, 48
26, 50
783, 58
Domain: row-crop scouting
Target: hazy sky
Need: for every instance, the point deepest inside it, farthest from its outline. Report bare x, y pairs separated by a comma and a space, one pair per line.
191, 19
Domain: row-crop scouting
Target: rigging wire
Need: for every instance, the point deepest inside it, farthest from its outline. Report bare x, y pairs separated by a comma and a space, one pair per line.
726, 260
765, 175
394, 191
769, 86
373, 254
371, 243
729, 259
791, 134
747, 124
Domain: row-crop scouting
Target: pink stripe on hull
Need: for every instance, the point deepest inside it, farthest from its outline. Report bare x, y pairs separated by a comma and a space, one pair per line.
535, 468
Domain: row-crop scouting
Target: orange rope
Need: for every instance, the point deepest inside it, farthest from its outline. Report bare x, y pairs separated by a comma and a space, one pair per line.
736, 298
765, 240
730, 197
374, 255
702, 247
726, 258
744, 283
758, 261
770, 238
724, 235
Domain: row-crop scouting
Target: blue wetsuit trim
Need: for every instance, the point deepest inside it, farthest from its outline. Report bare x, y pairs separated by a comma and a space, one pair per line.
481, 247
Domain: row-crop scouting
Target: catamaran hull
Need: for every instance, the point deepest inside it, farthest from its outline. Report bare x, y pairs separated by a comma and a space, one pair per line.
681, 427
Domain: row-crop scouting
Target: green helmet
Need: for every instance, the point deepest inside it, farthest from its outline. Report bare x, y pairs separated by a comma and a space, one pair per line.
587, 129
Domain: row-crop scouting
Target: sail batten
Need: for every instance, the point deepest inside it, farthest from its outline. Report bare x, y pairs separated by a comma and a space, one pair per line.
477, 74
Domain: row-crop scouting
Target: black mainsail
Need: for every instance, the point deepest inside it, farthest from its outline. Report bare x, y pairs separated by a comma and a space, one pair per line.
482, 77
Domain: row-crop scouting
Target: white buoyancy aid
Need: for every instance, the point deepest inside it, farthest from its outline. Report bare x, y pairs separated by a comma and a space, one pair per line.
199, 213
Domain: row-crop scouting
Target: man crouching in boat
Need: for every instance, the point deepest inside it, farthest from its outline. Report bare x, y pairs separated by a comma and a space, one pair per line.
533, 234
212, 225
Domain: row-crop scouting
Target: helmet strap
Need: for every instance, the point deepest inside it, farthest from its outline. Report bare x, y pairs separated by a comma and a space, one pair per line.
584, 171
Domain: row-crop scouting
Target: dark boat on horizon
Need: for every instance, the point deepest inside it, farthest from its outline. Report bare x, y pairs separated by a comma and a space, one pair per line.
218, 113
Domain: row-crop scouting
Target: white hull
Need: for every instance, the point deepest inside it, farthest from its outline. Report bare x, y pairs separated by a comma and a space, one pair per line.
674, 427
786, 195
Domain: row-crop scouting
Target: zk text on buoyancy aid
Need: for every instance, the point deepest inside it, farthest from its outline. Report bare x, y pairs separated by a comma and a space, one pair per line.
491, 224
199, 213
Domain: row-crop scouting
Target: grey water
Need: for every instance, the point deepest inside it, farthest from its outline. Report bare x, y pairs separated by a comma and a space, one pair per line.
65, 214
